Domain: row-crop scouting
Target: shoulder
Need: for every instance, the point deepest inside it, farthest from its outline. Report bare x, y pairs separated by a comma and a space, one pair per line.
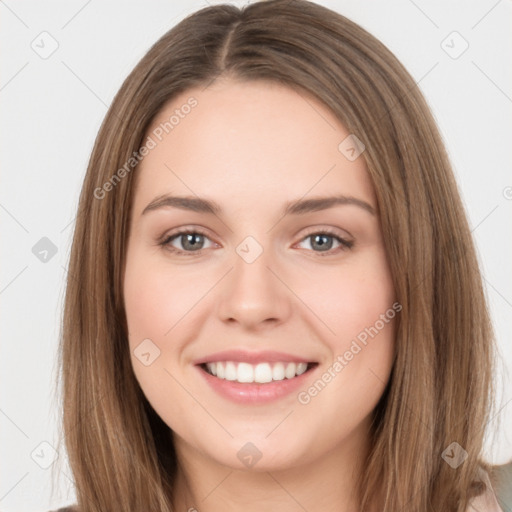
70, 508
501, 479
487, 501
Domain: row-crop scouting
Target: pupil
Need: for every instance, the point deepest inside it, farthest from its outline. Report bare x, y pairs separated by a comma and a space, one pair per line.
191, 239
323, 245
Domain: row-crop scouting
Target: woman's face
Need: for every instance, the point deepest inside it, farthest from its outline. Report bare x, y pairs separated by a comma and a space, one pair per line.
274, 278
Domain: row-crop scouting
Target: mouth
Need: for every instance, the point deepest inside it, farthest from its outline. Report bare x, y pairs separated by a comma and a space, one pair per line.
261, 373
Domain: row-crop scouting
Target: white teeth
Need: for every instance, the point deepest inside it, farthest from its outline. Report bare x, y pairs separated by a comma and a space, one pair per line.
245, 372
301, 368
230, 371
289, 372
260, 373
278, 371
220, 370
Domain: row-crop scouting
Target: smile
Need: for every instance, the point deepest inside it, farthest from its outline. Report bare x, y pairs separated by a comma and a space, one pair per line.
259, 383
260, 373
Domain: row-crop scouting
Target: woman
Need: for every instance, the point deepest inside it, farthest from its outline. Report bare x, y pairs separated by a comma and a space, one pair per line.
274, 298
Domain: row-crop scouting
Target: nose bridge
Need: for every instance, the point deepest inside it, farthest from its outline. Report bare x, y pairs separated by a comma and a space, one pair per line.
253, 294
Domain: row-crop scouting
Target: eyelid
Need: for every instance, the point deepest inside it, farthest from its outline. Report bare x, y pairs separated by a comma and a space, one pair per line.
345, 243
337, 232
167, 237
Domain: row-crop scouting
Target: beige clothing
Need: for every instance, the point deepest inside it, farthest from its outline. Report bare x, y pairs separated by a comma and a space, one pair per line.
487, 501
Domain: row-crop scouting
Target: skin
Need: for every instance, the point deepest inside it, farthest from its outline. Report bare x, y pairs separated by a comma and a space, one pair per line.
252, 147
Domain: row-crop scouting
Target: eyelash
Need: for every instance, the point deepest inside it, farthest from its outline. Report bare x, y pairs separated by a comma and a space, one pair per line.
344, 244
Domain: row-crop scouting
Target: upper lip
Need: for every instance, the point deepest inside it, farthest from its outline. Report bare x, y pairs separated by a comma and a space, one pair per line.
262, 356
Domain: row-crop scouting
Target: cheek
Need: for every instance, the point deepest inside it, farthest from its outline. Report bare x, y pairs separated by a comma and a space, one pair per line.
350, 299
163, 304
154, 302
344, 302
357, 308
146, 304
155, 298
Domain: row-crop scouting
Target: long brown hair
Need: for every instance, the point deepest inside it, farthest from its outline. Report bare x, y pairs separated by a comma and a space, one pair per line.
441, 388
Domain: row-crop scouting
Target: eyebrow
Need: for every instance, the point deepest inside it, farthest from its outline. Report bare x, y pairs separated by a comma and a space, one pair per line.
296, 207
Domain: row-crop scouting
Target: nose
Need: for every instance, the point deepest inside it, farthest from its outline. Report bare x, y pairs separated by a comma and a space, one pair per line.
254, 294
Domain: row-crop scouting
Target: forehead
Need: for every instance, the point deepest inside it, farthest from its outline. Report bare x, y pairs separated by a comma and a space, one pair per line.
242, 142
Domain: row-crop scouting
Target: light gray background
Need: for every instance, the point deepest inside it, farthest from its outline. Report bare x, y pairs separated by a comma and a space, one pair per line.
51, 111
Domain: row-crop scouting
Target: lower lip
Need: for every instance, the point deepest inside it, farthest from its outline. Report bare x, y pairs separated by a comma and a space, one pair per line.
254, 393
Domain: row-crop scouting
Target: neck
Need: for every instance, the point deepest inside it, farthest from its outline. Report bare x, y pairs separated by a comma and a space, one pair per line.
328, 483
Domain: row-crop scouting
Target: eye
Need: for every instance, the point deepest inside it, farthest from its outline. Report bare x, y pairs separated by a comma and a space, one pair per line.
324, 240
190, 241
